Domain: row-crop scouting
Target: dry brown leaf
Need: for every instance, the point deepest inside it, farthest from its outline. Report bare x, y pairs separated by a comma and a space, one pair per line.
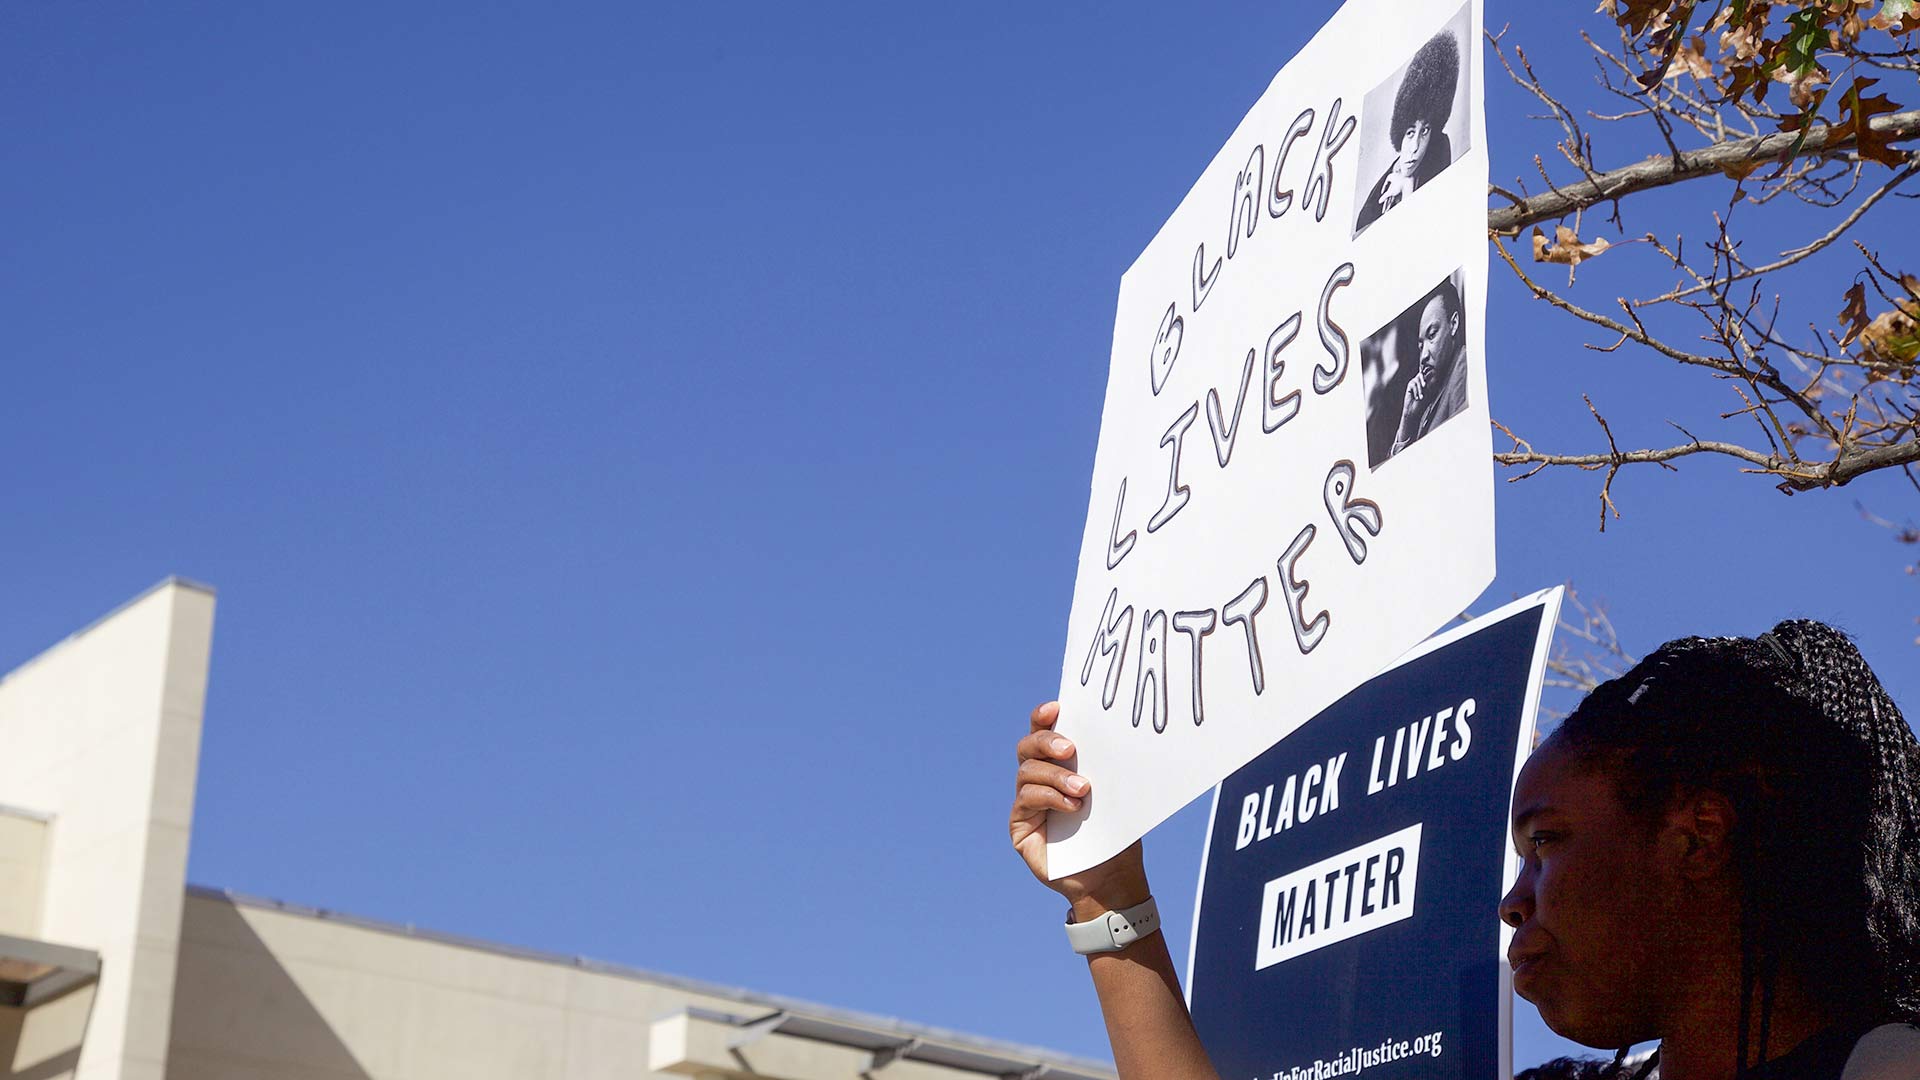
1691, 59
1565, 248
1858, 123
1892, 337
1804, 89
1896, 24
1853, 313
1741, 42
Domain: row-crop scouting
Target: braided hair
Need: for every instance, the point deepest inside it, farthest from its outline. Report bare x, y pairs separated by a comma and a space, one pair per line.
1824, 777
1427, 92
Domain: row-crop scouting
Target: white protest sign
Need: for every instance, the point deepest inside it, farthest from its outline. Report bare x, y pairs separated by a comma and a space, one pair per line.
1294, 482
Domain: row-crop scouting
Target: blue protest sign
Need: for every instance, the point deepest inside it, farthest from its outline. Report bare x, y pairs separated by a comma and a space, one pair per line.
1346, 921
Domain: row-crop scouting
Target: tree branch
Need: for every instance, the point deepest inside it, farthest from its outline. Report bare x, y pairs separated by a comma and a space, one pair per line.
1764, 462
1797, 476
1788, 258
1664, 169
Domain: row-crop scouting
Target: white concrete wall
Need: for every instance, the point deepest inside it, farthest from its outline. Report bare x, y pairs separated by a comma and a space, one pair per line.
102, 733
265, 992
271, 993
23, 851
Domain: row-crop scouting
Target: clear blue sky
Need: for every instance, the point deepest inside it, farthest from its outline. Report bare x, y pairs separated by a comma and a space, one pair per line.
642, 449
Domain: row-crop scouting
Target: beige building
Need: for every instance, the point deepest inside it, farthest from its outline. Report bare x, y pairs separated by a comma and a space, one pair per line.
113, 968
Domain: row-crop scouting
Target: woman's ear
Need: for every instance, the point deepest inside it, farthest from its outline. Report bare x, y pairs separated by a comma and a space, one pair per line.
1697, 833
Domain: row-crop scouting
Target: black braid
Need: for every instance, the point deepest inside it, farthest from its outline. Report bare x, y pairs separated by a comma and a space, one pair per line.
1748, 968
1832, 676
1824, 777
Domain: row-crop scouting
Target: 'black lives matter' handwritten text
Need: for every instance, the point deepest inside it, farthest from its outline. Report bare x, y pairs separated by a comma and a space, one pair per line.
1259, 194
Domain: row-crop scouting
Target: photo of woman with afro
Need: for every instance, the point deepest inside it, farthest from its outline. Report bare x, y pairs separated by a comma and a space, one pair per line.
1422, 106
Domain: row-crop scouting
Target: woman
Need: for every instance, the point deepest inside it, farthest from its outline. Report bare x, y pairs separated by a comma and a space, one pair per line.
1421, 108
1721, 850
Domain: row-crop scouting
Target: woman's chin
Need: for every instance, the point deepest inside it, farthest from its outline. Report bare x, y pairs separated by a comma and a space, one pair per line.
1598, 1032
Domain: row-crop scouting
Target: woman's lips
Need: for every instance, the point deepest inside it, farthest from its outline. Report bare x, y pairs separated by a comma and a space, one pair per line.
1524, 967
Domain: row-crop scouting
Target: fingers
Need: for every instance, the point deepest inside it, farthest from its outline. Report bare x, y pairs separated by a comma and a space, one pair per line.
1040, 783
1033, 798
1034, 771
1044, 745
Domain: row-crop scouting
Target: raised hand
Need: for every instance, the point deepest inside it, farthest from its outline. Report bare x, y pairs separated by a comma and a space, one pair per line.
1043, 783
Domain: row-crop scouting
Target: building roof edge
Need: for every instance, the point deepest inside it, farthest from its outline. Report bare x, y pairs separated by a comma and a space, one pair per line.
678, 982
95, 622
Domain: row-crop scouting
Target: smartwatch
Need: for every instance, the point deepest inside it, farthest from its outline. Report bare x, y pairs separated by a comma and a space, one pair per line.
1113, 930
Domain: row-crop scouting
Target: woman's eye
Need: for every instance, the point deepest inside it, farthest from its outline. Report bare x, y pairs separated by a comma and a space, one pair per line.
1535, 840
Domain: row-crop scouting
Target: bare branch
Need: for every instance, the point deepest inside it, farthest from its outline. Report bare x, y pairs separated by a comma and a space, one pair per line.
1799, 253
1803, 476
1662, 170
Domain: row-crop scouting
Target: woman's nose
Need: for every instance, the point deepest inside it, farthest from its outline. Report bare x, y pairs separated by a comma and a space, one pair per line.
1517, 906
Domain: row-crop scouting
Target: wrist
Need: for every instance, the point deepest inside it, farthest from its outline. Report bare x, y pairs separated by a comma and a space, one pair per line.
1112, 896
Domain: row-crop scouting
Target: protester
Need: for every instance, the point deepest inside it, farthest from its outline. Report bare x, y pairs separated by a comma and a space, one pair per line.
1721, 851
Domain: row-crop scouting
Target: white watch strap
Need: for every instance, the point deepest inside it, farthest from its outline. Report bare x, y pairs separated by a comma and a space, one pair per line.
1114, 930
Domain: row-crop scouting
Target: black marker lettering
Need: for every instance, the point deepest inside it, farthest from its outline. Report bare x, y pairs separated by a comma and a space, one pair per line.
1166, 348
1321, 184
1241, 609
1332, 335
1203, 279
1280, 200
1351, 515
1106, 641
1246, 199
1307, 633
1196, 625
1275, 411
1153, 669
1177, 493
1118, 546
1223, 432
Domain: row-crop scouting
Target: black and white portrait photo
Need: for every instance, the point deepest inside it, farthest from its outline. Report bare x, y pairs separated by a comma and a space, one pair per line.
1414, 124
1414, 371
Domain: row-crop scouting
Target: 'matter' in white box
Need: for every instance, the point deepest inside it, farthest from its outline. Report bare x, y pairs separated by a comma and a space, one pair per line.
1338, 898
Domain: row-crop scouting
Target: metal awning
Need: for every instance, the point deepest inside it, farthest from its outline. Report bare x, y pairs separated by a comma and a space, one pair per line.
890, 1047
35, 972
